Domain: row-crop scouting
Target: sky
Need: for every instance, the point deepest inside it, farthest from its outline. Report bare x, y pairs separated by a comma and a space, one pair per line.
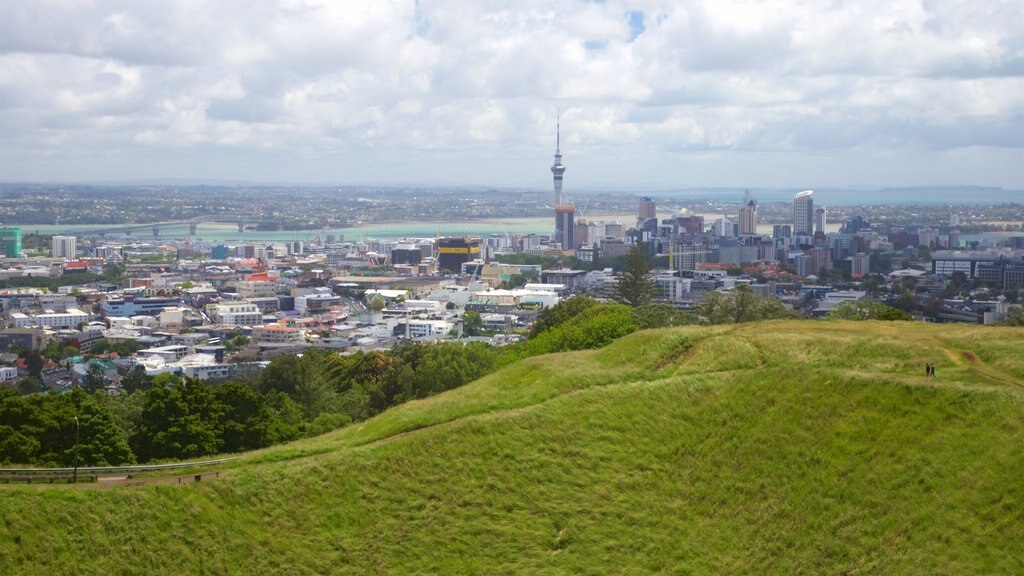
650, 94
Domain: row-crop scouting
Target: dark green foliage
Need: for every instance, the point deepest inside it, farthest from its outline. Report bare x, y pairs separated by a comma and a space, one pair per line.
867, 310
740, 306
183, 421
561, 312
635, 287
472, 323
35, 362
246, 421
135, 379
103, 442
54, 351
594, 327
661, 316
94, 379
1014, 317
123, 348
40, 430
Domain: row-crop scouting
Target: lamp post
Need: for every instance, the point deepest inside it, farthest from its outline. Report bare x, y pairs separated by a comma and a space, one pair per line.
74, 476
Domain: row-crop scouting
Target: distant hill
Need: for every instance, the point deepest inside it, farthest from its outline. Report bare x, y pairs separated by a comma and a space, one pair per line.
777, 448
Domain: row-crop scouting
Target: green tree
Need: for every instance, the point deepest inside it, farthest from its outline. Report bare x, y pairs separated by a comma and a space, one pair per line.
740, 306
34, 361
1014, 317
94, 379
246, 420
180, 422
560, 313
102, 441
635, 287
472, 323
136, 379
661, 316
867, 310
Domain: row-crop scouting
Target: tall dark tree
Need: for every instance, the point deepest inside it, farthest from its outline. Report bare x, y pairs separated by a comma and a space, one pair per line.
635, 287
472, 323
136, 379
94, 379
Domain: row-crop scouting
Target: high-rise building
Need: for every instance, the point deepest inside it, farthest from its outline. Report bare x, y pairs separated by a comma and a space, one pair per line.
648, 209
861, 264
820, 220
782, 231
63, 247
582, 234
10, 242
565, 232
614, 230
454, 252
748, 219
803, 213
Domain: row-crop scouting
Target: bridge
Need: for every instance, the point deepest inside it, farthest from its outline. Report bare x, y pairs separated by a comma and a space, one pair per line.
243, 221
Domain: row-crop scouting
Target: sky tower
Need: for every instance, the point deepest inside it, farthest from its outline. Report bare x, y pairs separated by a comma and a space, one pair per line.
557, 169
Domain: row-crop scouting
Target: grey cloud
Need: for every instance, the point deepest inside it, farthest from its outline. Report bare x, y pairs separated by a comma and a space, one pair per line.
424, 84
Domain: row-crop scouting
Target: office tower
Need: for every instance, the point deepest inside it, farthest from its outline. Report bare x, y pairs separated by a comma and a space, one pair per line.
614, 230
454, 252
10, 242
820, 220
782, 231
803, 213
648, 209
582, 233
748, 218
564, 226
63, 247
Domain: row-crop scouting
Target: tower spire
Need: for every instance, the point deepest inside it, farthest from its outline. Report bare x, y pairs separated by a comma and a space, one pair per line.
557, 169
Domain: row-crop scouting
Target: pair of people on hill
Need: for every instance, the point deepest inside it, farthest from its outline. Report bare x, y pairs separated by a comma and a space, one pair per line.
929, 370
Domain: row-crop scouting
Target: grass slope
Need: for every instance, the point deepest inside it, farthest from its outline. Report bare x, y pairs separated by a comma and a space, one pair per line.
777, 448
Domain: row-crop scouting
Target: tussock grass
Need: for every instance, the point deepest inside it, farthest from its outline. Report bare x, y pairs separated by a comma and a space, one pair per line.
779, 448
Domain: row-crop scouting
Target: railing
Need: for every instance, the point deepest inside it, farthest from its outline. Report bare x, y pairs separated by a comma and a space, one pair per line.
94, 470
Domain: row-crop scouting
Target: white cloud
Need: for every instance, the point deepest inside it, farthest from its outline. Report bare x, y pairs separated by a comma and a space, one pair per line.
736, 92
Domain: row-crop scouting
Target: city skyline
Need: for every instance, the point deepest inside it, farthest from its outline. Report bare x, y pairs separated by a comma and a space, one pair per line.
653, 95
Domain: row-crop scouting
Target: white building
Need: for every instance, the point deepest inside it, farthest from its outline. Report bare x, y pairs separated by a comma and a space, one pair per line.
70, 319
63, 247
235, 314
8, 374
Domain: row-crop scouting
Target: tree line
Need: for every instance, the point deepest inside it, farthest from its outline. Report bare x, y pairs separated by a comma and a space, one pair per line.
169, 418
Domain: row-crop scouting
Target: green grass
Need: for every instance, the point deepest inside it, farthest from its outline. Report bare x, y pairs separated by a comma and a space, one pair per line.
776, 448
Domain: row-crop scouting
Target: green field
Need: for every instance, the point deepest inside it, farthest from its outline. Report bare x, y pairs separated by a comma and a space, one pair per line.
776, 448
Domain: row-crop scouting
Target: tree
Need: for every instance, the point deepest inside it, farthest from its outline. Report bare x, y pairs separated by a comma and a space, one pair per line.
102, 441
1014, 317
635, 287
136, 379
94, 379
560, 313
661, 316
740, 306
34, 360
182, 421
472, 323
867, 310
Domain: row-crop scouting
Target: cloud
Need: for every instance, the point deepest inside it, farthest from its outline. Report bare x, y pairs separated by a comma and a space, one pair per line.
381, 91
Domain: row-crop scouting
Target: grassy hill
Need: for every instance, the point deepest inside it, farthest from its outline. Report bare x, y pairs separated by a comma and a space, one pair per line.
775, 448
